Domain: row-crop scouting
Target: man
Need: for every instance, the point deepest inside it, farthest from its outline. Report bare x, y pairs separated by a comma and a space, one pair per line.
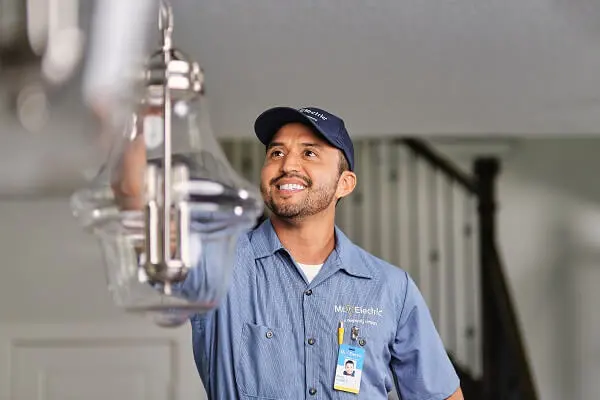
349, 368
297, 278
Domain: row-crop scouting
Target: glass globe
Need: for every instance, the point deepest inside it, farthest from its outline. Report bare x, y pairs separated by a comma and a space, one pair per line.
169, 247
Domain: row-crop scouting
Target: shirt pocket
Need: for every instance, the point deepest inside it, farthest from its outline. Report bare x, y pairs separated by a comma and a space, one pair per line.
269, 367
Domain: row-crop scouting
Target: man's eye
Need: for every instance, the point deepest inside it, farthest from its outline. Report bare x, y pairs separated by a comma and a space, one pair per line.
276, 153
310, 153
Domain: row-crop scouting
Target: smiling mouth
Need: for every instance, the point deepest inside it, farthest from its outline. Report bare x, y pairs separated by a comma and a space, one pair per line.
291, 187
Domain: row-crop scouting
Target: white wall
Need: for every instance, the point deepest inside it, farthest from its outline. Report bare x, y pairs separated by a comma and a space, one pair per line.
549, 234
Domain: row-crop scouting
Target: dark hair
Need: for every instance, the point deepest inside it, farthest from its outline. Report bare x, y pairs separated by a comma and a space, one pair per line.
349, 362
343, 163
342, 167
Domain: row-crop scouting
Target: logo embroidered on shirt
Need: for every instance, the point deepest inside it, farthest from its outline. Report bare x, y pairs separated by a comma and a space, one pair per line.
358, 310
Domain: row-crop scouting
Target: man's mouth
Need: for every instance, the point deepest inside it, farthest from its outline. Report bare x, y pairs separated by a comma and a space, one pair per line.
291, 187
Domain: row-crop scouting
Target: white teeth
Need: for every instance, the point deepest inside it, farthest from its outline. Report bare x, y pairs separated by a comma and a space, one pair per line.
291, 186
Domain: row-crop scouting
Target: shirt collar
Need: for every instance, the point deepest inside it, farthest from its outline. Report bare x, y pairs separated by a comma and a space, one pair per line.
349, 256
346, 254
264, 240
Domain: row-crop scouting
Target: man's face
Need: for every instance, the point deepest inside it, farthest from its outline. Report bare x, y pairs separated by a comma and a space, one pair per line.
300, 176
349, 368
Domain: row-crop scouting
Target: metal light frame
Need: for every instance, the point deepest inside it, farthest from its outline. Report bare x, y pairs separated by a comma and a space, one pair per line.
170, 73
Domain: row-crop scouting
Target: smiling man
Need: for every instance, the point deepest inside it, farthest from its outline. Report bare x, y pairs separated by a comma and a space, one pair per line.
298, 280
297, 277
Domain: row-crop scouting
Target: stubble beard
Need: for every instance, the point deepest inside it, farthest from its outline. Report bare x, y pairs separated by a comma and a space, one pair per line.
316, 200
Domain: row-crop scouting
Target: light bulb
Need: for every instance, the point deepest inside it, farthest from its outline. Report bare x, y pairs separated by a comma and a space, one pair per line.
172, 255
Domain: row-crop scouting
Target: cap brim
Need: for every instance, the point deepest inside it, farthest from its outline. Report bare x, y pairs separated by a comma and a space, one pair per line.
269, 122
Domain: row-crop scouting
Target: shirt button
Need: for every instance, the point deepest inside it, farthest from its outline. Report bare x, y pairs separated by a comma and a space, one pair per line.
269, 334
311, 341
312, 391
308, 292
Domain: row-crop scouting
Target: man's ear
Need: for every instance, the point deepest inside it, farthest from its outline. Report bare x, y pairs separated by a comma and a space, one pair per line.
346, 184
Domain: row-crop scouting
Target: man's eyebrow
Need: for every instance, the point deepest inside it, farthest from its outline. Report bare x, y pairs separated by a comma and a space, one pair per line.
312, 145
305, 144
274, 144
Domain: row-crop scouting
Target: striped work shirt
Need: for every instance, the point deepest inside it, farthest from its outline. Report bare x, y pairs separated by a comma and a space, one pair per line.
274, 336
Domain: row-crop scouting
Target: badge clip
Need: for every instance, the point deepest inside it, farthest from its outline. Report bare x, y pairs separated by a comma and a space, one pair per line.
354, 333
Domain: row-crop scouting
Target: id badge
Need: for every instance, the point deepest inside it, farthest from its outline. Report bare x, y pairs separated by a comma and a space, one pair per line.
348, 371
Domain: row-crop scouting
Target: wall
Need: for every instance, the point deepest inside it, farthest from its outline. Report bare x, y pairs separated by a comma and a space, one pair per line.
549, 234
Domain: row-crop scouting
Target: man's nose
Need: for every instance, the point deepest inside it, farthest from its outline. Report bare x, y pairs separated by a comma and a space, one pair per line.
291, 163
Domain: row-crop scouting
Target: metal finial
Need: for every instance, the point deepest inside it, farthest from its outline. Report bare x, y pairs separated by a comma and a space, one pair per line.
165, 23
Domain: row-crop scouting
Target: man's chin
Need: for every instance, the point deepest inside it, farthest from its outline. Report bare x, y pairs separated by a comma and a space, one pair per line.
286, 213
284, 210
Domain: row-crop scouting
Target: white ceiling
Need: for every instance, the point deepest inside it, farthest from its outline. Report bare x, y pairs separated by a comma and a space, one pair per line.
388, 67
413, 66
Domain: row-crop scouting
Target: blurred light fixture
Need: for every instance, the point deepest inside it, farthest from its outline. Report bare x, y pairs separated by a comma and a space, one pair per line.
64, 66
172, 256
41, 46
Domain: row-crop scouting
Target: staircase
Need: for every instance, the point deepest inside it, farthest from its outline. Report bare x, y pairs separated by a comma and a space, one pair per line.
416, 209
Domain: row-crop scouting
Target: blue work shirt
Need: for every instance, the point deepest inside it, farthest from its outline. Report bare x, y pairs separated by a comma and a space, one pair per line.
274, 336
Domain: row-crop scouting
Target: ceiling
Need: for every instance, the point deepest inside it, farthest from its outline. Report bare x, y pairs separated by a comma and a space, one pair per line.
452, 68
401, 67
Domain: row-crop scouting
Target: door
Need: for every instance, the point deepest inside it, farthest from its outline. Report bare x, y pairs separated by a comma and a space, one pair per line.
61, 336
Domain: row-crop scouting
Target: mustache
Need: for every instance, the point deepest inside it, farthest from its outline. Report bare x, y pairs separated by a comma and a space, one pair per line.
305, 179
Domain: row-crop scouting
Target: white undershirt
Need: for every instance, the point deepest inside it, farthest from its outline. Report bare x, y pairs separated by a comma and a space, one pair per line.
310, 270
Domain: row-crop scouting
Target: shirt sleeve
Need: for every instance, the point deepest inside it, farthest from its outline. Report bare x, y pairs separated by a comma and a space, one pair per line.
420, 364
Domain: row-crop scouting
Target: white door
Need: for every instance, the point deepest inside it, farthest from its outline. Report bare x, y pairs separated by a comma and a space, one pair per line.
61, 337
102, 369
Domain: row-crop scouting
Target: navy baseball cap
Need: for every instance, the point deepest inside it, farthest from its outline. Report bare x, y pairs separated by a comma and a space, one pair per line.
329, 126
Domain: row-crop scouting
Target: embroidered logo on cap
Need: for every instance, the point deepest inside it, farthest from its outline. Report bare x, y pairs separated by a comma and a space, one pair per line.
313, 113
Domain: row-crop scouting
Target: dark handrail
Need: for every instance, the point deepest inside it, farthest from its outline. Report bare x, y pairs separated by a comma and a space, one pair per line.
425, 151
525, 385
499, 318
502, 340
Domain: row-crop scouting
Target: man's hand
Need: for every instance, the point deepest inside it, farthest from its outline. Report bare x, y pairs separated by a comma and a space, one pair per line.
128, 182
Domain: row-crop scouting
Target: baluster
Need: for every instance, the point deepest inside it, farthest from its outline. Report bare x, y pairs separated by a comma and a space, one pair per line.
423, 189
476, 350
449, 268
470, 281
440, 253
385, 209
404, 222
460, 234
367, 196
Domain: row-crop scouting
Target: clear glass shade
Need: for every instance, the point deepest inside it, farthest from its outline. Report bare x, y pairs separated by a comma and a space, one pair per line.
200, 215
166, 206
